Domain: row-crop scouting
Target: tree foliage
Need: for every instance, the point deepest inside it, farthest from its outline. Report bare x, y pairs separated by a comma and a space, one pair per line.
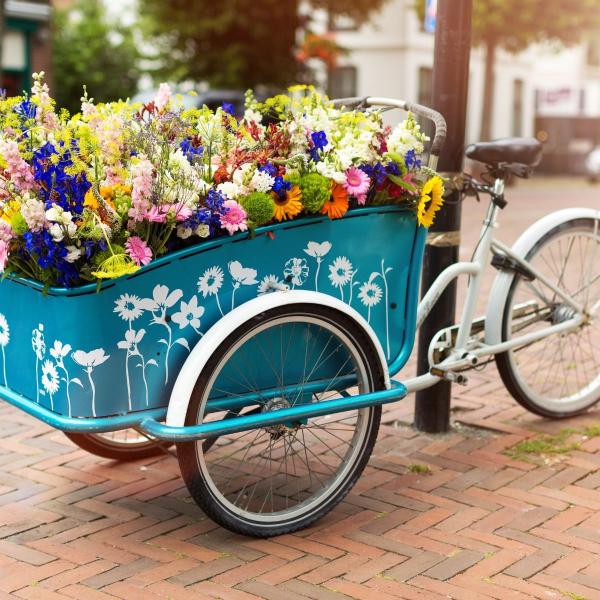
233, 43
89, 48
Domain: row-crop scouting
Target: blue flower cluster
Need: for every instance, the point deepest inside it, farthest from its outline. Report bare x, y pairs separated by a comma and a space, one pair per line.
319, 140
210, 215
280, 185
57, 187
26, 109
411, 160
190, 150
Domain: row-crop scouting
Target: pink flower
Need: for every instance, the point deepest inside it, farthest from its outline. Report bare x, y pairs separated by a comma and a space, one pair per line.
163, 97
183, 212
21, 174
156, 214
235, 217
6, 232
138, 250
3, 255
142, 189
357, 183
361, 199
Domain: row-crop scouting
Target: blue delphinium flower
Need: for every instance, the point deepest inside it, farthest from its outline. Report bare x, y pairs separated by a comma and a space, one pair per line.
411, 160
228, 107
210, 215
190, 151
56, 186
393, 169
319, 139
269, 168
376, 172
26, 109
281, 186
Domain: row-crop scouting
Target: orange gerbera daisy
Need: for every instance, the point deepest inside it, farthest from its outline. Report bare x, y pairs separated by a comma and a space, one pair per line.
289, 206
337, 205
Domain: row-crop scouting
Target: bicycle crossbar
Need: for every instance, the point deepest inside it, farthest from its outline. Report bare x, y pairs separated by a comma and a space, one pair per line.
276, 417
148, 421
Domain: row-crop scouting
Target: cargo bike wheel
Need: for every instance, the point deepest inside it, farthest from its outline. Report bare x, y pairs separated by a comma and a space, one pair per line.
125, 445
277, 479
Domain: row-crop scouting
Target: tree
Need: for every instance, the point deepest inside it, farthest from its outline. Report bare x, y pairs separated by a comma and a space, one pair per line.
90, 49
513, 25
233, 43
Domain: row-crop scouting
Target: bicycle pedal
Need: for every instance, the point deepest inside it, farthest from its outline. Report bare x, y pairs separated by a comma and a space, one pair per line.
451, 376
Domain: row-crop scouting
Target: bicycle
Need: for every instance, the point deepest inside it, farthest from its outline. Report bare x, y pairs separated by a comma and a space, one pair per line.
541, 314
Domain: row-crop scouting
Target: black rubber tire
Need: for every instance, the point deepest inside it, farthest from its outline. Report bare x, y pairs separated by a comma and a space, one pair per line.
187, 455
101, 446
503, 361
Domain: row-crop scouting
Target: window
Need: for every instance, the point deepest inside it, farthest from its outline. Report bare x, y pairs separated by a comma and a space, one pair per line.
517, 125
343, 82
342, 23
425, 93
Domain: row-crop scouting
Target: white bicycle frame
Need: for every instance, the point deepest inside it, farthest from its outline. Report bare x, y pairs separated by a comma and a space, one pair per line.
467, 350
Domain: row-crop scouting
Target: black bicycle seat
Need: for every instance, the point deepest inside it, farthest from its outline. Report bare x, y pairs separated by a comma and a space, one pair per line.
523, 151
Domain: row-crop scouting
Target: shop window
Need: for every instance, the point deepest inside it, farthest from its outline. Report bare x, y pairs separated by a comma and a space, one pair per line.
343, 82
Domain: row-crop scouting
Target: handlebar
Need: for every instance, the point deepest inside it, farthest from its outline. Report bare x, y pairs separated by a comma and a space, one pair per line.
418, 109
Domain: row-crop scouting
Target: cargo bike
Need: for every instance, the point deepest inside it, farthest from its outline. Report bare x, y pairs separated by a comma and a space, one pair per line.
267, 359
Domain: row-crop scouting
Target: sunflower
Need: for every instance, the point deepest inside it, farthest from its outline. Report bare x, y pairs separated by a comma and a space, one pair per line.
288, 206
432, 198
337, 205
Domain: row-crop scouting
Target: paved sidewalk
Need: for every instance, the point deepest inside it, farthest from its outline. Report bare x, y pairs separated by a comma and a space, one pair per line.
448, 516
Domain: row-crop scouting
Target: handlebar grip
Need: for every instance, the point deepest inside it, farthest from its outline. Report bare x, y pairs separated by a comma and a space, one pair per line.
351, 103
441, 129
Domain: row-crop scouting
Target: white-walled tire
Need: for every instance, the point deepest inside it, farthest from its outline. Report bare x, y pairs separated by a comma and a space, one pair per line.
279, 479
557, 376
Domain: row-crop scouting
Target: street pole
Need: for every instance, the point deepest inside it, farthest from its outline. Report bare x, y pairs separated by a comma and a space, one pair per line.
450, 89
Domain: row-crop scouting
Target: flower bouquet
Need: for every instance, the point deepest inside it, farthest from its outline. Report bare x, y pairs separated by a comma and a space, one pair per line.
99, 194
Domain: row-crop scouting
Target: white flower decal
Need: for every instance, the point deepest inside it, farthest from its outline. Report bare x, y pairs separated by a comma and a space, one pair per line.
341, 273
89, 361
271, 283
39, 347
4, 339
317, 251
295, 271
241, 276
161, 299
128, 307
130, 343
50, 380
189, 314
132, 339
211, 281
59, 352
370, 295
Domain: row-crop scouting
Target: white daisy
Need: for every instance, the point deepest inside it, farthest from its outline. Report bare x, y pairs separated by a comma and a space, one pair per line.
340, 272
370, 294
50, 379
295, 271
271, 283
211, 281
4, 331
128, 307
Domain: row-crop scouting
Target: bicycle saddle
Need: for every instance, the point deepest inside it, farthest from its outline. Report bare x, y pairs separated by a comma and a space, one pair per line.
523, 151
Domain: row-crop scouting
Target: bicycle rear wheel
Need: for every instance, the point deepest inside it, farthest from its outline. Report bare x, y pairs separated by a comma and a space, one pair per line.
557, 376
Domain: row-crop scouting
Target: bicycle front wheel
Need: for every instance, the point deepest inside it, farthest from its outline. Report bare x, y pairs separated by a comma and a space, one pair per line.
557, 376
281, 478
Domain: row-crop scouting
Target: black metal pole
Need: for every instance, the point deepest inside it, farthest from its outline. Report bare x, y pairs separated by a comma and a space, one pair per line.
450, 89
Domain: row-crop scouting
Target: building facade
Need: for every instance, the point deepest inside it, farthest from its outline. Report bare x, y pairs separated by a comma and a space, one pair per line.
26, 44
541, 91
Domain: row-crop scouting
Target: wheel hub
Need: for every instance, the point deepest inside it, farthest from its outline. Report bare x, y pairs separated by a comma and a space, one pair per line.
276, 431
562, 313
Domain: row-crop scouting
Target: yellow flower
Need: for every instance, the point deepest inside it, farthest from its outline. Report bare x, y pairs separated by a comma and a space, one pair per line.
290, 206
432, 198
10, 209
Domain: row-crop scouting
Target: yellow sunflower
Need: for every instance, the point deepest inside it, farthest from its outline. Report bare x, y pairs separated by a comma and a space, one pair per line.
289, 206
432, 198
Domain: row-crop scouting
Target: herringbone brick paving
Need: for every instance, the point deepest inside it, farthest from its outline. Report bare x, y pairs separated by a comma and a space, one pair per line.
480, 525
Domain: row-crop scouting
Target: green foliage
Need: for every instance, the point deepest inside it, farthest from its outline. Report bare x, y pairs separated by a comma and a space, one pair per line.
259, 207
232, 43
544, 444
18, 224
89, 48
419, 468
316, 190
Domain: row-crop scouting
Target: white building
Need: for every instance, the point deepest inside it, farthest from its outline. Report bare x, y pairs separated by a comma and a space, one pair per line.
393, 56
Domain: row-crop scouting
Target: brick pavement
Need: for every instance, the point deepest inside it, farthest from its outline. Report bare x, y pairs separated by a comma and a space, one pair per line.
479, 525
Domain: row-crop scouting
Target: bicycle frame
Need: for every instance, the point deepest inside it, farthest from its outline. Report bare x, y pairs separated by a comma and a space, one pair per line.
466, 350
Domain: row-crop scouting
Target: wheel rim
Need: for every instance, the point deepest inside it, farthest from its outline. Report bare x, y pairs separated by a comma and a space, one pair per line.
560, 372
282, 473
125, 438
